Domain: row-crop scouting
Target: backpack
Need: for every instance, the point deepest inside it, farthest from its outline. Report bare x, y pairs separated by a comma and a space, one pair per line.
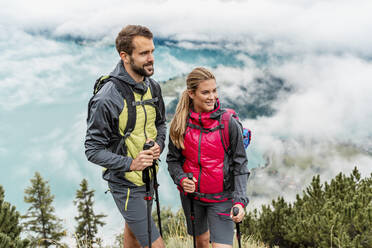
126, 92
225, 118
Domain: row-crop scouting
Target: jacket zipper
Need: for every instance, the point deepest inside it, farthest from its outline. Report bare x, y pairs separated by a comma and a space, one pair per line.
144, 130
144, 109
199, 153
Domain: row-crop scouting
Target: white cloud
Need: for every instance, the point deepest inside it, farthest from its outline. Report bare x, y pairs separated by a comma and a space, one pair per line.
167, 64
30, 73
329, 100
286, 25
44, 71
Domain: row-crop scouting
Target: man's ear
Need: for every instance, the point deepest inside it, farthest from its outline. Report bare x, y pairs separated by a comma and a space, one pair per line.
125, 57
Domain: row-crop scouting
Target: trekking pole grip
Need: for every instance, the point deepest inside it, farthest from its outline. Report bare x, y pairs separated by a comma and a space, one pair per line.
146, 172
235, 211
148, 145
189, 175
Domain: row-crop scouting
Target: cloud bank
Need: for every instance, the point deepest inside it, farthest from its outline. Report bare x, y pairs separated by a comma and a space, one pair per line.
283, 26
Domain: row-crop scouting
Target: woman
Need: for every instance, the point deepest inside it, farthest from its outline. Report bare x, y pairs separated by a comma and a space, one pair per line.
196, 146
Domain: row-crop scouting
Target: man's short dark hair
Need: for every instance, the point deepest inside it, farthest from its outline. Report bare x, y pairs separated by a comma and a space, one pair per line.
125, 37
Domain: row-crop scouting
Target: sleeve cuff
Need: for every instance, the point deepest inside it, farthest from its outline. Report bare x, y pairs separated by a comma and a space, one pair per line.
161, 145
239, 203
127, 167
182, 180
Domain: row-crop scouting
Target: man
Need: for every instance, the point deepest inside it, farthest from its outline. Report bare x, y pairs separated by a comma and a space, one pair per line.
121, 153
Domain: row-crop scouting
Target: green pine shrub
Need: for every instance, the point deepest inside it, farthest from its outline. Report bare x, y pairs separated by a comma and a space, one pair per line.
335, 214
40, 221
87, 220
10, 229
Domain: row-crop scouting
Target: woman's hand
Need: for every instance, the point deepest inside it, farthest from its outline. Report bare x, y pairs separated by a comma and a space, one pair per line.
188, 185
239, 217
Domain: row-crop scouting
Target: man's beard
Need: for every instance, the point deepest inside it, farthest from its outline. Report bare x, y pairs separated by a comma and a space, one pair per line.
141, 70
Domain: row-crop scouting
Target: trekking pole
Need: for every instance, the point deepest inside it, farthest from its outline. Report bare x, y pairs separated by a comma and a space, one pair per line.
235, 213
156, 185
148, 197
192, 212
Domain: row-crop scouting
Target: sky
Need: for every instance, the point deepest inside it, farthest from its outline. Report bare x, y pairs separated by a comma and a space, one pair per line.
321, 49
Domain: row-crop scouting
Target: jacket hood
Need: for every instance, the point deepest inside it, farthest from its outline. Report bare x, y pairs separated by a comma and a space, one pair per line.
120, 73
214, 114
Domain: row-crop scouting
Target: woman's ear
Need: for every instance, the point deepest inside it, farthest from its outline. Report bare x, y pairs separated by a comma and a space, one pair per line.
191, 94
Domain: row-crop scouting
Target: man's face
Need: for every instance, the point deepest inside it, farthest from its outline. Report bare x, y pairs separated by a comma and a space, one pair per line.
142, 58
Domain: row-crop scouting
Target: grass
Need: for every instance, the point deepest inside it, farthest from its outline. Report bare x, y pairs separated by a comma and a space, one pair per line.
175, 239
182, 242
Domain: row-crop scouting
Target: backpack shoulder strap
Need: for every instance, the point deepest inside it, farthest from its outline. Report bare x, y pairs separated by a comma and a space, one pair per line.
102, 80
225, 119
155, 91
127, 93
154, 87
155, 101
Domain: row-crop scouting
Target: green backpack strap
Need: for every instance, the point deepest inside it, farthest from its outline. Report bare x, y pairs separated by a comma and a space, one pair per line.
102, 80
127, 93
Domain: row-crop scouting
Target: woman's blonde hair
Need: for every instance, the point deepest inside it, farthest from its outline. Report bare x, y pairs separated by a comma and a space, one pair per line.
178, 123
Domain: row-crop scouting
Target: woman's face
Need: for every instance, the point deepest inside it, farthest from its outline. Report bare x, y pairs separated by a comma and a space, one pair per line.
205, 96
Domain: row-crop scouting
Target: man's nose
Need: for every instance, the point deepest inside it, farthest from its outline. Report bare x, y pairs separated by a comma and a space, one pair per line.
150, 58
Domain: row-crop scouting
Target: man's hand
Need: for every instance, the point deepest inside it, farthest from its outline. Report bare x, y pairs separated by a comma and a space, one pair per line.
189, 185
155, 149
142, 161
238, 218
